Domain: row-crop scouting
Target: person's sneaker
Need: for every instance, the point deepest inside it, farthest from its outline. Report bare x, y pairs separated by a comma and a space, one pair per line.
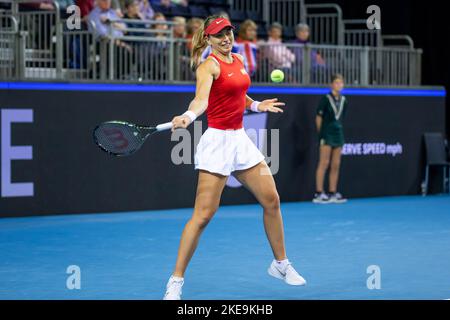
321, 198
289, 275
173, 291
337, 198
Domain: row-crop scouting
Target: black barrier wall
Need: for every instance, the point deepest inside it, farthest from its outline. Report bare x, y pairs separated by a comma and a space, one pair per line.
62, 171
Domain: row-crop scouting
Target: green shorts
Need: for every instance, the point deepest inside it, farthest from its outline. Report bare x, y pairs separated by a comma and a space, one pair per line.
332, 140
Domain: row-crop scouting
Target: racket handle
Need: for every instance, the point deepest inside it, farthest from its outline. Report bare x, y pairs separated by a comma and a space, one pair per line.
164, 126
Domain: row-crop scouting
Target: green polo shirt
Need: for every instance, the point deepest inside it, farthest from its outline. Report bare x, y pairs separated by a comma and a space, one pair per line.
332, 111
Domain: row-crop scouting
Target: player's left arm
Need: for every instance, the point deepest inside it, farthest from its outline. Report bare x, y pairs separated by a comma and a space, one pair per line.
269, 105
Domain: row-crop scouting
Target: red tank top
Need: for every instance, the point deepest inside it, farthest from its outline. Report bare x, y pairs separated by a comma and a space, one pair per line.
226, 104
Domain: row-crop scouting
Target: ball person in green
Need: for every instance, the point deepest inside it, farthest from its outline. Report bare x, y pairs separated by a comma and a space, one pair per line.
331, 111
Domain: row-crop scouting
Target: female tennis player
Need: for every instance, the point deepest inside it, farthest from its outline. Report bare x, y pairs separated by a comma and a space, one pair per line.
331, 111
225, 148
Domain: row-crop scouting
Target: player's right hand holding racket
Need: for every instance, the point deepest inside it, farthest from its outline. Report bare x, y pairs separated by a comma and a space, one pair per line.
184, 120
120, 138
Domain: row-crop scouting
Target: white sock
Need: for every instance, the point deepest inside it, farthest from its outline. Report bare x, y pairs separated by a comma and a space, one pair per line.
177, 279
282, 264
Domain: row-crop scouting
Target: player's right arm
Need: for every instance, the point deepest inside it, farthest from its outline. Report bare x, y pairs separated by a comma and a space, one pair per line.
206, 73
319, 113
318, 122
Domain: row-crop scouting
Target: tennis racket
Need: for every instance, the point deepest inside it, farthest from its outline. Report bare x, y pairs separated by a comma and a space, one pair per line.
120, 138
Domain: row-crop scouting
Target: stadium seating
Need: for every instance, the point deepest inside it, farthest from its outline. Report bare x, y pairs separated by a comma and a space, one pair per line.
198, 11
237, 16
180, 11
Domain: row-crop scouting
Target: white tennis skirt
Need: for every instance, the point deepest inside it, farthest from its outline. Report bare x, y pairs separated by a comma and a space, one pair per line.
224, 151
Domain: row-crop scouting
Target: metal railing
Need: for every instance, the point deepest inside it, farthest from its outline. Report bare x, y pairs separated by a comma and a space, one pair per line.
9, 58
325, 20
315, 64
356, 33
397, 40
399, 66
154, 55
326, 23
80, 55
41, 29
141, 54
182, 56
287, 12
248, 5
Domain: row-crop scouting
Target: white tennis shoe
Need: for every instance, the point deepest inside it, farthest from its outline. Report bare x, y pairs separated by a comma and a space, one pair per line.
337, 198
289, 275
321, 198
173, 291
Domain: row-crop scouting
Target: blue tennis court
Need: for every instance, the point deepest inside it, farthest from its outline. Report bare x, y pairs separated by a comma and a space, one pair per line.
131, 255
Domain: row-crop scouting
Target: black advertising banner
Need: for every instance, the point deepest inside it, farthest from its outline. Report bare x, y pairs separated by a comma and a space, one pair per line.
50, 165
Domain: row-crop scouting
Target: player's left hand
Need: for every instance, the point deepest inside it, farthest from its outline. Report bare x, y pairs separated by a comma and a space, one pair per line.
271, 105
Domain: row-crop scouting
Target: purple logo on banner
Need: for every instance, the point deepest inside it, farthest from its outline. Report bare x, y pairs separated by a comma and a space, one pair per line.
9, 153
253, 124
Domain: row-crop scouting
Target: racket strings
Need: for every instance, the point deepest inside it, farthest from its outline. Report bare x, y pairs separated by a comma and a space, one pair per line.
118, 138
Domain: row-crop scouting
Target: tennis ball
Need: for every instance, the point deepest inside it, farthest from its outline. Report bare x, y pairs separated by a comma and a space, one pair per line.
277, 75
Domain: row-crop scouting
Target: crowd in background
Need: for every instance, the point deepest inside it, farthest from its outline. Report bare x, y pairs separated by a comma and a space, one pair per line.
100, 16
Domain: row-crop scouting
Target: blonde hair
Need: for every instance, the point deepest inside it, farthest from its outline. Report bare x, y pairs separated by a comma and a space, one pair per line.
178, 19
199, 42
159, 15
243, 28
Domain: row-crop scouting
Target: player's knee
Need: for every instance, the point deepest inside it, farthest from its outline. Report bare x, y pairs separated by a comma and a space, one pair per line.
201, 221
271, 202
324, 164
335, 165
203, 216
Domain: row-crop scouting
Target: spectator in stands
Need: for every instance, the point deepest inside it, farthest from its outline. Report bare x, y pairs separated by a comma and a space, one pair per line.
278, 55
163, 27
247, 47
102, 24
302, 33
102, 16
132, 12
192, 26
146, 10
158, 52
80, 53
182, 55
179, 29
118, 6
86, 6
139, 48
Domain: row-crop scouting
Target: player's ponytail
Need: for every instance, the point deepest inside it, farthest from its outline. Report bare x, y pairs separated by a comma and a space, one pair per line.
199, 42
